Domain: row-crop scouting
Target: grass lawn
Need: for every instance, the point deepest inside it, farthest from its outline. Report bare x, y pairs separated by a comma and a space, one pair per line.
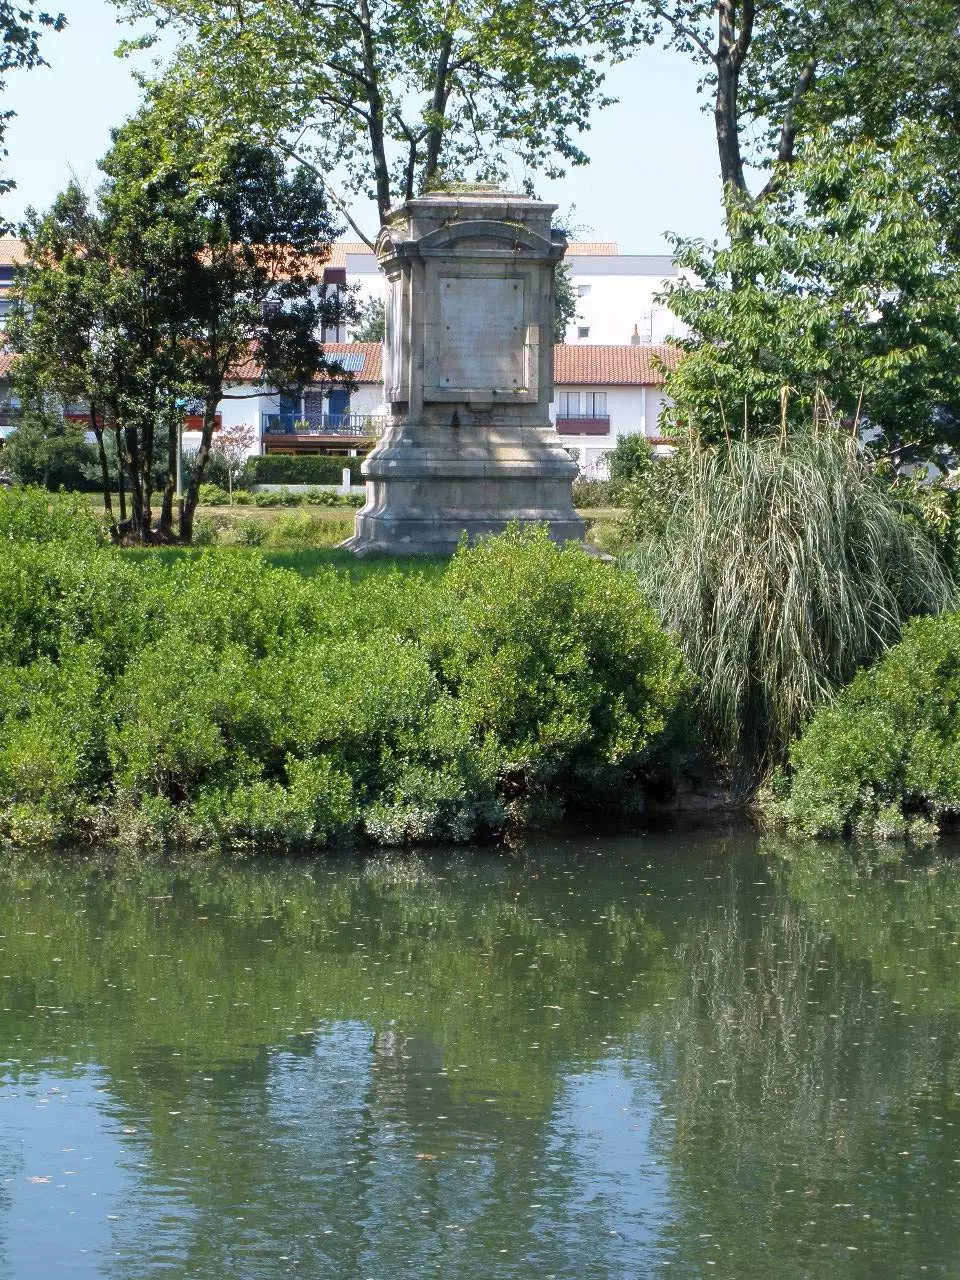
305, 538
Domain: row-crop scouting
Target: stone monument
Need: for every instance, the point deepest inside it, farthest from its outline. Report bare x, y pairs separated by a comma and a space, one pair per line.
468, 374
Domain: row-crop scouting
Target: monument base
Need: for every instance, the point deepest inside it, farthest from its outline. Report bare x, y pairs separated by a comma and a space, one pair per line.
429, 486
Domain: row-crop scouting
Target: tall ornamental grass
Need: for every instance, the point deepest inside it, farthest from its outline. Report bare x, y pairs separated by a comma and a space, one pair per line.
783, 568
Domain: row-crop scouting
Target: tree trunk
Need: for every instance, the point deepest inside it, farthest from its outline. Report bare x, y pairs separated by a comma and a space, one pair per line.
165, 525
132, 459
381, 169
726, 118
118, 445
200, 465
438, 107
104, 468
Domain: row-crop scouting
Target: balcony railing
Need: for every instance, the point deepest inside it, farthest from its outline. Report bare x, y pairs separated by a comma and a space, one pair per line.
583, 424
322, 424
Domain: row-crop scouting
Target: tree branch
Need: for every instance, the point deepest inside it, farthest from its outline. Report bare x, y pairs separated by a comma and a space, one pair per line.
788, 131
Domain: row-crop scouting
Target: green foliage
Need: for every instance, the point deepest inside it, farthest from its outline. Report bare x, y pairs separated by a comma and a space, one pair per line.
564, 301
630, 458
371, 321
288, 468
557, 659
46, 450
211, 495
783, 567
400, 99
146, 297
594, 493
839, 285
214, 699
883, 760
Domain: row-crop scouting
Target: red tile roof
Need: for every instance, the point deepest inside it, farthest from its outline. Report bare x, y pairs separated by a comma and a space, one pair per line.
579, 365
372, 353
574, 366
372, 370
11, 251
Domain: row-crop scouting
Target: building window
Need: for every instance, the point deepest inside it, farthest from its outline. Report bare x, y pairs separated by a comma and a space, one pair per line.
583, 331
582, 290
568, 404
595, 404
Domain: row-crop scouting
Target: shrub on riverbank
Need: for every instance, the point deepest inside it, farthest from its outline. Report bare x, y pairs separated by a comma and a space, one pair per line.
782, 567
883, 760
217, 700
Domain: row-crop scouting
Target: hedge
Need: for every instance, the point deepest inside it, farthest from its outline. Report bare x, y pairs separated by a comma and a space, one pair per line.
313, 468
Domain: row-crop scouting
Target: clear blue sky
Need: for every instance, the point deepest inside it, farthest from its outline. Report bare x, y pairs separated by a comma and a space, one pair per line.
653, 160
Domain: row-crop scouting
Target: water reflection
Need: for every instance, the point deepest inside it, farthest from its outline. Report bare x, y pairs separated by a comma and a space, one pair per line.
649, 1057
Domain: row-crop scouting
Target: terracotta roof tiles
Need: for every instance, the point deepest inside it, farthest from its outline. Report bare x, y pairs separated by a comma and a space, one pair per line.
634, 365
11, 251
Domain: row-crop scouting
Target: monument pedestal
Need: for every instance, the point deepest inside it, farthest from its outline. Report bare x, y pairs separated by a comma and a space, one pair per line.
468, 368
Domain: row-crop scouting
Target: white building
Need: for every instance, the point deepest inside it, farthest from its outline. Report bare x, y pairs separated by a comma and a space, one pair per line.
616, 292
604, 392
600, 394
608, 375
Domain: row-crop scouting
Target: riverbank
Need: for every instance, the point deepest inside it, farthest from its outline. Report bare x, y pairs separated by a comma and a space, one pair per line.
209, 698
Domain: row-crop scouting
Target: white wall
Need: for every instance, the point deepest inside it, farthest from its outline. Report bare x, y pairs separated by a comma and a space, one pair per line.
614, 304
620, 294
632, 411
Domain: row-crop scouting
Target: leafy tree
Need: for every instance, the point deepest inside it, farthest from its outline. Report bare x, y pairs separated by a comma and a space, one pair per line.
399, 95
372, 317
20, 32
233, 445
564, 301
839, 285
181, 273
778, 70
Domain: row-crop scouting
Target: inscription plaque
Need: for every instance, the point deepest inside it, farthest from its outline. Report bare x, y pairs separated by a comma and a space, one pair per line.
482, 334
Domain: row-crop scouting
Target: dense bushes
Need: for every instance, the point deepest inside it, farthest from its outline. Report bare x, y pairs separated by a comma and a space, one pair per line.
883, 760
282, 468
216, 700
212, 495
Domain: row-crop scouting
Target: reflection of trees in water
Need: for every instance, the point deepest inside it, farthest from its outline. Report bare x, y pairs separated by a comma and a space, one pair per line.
379, 1054
798, 1084
383, 1049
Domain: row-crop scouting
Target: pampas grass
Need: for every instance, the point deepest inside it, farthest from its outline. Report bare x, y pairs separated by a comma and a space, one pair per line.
783, 568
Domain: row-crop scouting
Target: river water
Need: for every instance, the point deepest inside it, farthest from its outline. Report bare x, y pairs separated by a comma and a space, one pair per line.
683, 1056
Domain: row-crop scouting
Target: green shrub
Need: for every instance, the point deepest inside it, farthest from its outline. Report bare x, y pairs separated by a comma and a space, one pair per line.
631, 457
272, 498
594, 493
556, 658
281, 468
211, 495
249, 533
213, 699
299, 529
242, 497
205, 532
883, 760
32, 515
782, 567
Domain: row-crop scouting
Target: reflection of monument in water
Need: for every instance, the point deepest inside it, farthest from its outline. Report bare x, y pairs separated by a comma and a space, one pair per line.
468, 371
